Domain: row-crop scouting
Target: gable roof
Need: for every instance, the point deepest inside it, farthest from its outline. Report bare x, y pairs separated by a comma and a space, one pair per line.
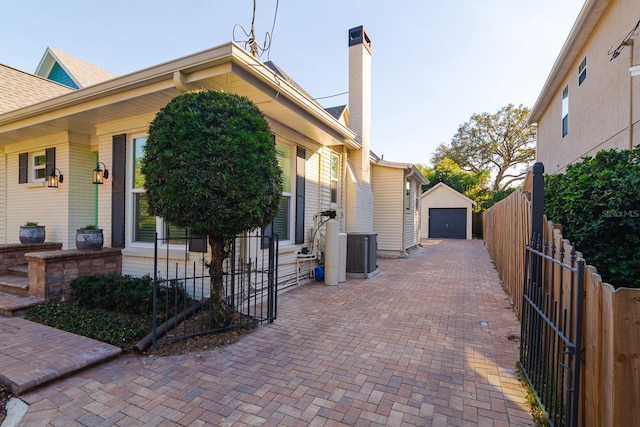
81, 73
447, 188
337, 112
226, 67
19, 89
414, 171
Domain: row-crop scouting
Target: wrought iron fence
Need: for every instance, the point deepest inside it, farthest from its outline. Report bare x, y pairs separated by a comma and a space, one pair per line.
551, 329
182, 302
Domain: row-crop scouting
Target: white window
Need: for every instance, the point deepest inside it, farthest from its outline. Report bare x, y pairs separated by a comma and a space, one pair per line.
335, 177
565, 111
282, 222
39, 167
582, 71
407, 196
143, 226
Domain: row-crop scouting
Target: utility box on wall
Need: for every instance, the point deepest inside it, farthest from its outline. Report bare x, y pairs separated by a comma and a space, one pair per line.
362, 258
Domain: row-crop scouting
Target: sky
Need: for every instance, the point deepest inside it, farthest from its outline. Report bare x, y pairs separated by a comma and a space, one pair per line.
434, 63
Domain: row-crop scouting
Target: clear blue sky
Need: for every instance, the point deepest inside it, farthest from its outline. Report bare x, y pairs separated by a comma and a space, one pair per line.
434, 63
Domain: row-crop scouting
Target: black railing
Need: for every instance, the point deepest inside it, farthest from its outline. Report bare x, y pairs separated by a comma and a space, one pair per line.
551, 329
183, 306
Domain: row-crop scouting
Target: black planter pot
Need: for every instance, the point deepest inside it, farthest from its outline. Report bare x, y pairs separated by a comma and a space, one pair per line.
89, 240
30, 234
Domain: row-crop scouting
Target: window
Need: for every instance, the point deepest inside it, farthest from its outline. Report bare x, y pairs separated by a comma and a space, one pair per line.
335, 174
582, 71
407, 196
145, 226
39, 167
282, 222
565, 111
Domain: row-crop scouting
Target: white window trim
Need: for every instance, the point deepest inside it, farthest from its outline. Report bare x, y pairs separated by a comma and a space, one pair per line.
32, 167
337, 179
290, 194
129, 209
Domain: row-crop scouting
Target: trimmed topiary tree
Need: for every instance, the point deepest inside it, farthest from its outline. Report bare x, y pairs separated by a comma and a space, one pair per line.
597, 201
210, 166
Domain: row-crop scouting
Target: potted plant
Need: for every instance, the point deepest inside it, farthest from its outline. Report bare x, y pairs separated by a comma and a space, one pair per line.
89, 238
31, 233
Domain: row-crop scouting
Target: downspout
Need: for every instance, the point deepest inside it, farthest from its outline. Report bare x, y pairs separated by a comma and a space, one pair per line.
343, 189
179, 82
403, 246
630, 44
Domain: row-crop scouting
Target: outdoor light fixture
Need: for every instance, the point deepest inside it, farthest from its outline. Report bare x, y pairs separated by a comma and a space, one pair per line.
53, 180
100, 175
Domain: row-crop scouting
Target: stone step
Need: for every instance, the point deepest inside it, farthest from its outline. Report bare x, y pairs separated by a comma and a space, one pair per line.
14, 284
20, 270
12, 305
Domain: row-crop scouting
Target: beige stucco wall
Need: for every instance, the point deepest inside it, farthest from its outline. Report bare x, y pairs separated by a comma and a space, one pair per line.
599, 110
443, 197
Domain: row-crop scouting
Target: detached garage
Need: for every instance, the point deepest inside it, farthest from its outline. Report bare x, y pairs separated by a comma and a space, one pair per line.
446, 213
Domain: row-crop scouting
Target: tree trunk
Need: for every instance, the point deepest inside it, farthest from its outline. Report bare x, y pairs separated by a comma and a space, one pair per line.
218, 255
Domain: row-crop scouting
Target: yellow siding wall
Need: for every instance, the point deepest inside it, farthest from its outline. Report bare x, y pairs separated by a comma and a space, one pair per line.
388, 214
412, 217
3, 195
55, 208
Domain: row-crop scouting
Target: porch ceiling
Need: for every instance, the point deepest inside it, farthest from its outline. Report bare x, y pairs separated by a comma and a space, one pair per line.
226, 68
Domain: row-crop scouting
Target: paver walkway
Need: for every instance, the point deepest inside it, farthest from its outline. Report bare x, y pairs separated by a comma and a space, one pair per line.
426, 342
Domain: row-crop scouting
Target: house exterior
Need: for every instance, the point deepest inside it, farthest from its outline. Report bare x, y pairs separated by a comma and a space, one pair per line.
591, 99
396, 207
102, 120
446, 213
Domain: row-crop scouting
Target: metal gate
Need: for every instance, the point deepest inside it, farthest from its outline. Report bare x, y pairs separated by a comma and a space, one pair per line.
551, 329
182, 306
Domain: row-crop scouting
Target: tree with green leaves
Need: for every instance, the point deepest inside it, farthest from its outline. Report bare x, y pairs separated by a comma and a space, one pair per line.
210, 166
597, 201
500, 142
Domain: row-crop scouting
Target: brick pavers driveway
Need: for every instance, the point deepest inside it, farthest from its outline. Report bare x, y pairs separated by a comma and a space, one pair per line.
425, 342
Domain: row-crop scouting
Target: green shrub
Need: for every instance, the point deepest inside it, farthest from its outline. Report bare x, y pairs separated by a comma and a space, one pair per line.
597, 201
124, 294
98, 324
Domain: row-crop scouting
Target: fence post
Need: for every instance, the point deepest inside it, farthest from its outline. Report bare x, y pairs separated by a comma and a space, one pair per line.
537, 201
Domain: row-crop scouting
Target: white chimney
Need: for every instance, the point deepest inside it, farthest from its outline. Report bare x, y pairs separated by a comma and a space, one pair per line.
360, 97
359, 201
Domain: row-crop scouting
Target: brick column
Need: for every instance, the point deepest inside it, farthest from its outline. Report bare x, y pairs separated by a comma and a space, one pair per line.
51, 272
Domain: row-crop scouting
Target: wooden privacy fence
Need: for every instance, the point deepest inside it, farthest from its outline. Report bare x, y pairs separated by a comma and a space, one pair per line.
610, 375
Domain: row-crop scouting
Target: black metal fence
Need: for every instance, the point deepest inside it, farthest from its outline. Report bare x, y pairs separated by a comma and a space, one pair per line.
551, 329
183, 306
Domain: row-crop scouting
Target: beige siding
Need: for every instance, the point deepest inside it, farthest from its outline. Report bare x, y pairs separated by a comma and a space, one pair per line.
389, 212
55, 208
3, 196
599, 108
412, 217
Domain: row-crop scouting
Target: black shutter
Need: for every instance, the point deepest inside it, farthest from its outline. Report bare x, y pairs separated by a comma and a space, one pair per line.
50, 158
300, 193
23, 168
118, 191
197, 243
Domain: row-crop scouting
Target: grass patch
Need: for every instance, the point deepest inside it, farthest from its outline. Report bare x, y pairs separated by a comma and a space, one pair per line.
538, 414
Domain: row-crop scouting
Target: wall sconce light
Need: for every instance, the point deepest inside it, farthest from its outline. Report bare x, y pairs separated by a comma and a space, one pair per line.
53, 180
100, 175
